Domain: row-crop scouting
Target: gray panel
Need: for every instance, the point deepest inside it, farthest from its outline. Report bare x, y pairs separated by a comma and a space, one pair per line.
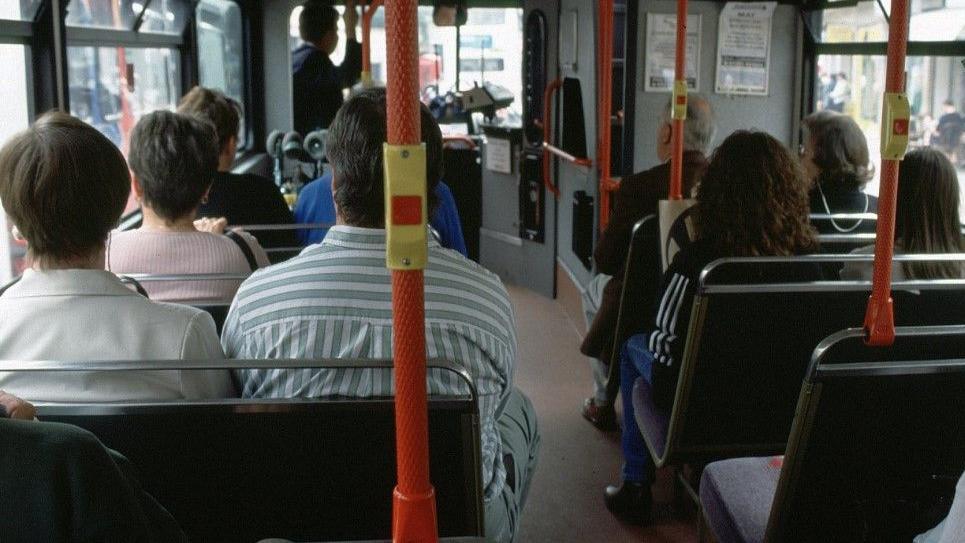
773, 114
278, 84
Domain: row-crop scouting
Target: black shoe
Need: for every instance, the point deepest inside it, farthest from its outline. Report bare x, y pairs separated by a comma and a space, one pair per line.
630, 502
601, 416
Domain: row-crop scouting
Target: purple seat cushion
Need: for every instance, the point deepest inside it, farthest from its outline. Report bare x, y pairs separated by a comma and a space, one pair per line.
736, 496
652, 420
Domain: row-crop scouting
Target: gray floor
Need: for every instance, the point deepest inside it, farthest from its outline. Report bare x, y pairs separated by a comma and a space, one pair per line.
576, 461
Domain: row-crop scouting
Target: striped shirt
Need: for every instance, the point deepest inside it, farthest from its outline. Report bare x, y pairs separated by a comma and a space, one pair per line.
334, 300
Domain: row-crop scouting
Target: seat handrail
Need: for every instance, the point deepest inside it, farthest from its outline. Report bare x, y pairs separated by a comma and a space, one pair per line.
293, 226
846, 238
155, 277
843, 216
223, 364
824, 347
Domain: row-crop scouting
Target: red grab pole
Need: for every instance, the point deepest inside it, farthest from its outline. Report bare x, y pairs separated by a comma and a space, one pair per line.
879, 320
604, 108
414, 512
679, 104
367, 14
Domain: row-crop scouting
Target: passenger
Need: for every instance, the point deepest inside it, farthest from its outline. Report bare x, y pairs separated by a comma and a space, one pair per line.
836, 161
751, 201
334, 301
12, 407
926, 220
64, 186
637, 197
952, 529
315, 205
239, 198
317, 83
59, 483
951, 126
174, 159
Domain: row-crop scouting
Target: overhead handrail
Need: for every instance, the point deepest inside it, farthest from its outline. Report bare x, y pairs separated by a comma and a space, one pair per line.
604, 107
879, 322
679, 108
414, 502
367, 14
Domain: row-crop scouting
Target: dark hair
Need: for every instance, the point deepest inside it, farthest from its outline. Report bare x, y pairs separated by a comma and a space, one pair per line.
174, 158
317, 18
64, 185
926, 219
354, 145
216, 108
840, 150
753, 199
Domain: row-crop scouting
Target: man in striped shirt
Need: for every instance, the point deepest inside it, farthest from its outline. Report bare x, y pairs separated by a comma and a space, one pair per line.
334, 300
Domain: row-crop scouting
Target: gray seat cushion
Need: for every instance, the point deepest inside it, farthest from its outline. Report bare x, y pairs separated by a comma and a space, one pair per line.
652, 420
736, 496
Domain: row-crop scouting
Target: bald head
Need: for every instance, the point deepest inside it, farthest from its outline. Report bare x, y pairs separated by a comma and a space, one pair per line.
699, 128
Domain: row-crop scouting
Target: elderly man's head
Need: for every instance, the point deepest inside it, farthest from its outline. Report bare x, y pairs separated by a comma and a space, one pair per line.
699, 128
354, 146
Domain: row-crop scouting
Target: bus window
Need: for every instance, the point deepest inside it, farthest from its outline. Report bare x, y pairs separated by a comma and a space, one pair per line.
853, 85
164, 17
22, 10
114, 14
221, 53
14, 111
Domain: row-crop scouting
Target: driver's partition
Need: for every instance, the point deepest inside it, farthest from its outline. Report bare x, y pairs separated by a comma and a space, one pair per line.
748, 348
240, 470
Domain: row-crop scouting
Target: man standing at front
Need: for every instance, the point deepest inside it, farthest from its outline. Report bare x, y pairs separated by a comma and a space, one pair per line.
334, 300
317, 83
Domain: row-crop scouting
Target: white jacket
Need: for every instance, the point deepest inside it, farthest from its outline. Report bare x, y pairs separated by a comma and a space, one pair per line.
91, 315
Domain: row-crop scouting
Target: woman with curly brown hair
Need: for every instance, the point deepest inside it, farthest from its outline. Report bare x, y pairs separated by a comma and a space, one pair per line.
751, 201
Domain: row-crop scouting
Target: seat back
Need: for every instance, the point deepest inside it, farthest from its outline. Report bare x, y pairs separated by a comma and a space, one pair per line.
641, 279
878, 443
749, 347
320, 469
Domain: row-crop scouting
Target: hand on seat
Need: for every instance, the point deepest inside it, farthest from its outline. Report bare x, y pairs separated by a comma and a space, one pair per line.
211, 225
15, 408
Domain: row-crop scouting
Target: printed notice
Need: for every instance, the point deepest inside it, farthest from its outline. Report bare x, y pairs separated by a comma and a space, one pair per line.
744, 48
661, 50
499, 155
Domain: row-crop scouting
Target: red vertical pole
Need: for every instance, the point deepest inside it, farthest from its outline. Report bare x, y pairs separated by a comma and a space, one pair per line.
605, 107
414, 515
879, 320
680, 74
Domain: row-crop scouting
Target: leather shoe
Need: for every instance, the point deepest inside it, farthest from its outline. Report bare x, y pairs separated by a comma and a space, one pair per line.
601, 416
630, 502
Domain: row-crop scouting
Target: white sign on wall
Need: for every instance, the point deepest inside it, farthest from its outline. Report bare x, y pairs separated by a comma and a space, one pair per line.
499, 155
744, 48
661, 48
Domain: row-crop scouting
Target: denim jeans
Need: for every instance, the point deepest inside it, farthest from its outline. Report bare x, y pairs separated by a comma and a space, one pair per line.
636, 360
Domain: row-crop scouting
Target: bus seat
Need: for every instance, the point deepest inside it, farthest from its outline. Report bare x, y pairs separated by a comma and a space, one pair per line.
876, 449
641, 278
740, 374
245, 470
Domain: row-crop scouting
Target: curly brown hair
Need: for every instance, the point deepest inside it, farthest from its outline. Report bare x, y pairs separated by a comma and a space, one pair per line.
753, 199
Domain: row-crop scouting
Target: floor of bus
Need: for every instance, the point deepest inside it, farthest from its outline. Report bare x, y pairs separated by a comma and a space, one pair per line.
576, 460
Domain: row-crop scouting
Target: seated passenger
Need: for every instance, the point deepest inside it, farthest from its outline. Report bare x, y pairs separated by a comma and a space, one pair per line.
334, 301
174, 158
315, 205
58, 483
637, 197
64, 186
12, 407
836, 161
926, 220
952, 529
239, 198
751, 201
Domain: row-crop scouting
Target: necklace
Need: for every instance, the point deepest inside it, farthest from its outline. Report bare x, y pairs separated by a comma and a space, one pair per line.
827, 208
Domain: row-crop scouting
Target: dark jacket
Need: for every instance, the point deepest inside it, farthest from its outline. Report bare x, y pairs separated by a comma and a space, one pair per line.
842, 201
58, 483
251, 199
637, 197
317, 84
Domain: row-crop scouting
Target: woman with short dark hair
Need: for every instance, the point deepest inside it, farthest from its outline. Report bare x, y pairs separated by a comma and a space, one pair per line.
926, 219
751, 201
239, 198
174, 158
837, 163
64, 185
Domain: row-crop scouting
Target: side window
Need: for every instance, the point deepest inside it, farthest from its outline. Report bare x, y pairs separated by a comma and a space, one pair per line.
221, 52
14, 108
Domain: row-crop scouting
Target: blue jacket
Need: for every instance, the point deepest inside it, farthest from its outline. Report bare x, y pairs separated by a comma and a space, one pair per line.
315, 205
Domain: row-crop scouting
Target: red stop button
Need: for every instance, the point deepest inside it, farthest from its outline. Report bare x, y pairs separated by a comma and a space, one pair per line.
900, 127
406, 210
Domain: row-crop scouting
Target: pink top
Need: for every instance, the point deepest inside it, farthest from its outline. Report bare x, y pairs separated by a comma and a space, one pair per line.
144, 251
